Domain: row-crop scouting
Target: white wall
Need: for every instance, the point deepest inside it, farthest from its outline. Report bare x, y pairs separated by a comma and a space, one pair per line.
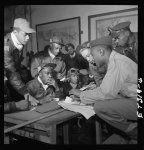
49, 13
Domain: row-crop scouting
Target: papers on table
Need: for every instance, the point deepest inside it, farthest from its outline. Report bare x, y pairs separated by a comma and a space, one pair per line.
85, 110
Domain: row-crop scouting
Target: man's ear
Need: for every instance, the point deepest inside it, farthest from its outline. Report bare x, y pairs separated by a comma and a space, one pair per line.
127, 33
101, 52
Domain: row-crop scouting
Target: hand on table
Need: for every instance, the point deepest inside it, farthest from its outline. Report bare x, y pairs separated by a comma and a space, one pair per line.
31, 99
22, 105
47, 99
74, 98
75, 92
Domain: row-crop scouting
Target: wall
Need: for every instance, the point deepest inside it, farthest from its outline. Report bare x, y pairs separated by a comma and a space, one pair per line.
48, 13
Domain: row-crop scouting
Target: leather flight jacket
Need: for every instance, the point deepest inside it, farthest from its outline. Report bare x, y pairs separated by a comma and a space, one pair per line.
11, 62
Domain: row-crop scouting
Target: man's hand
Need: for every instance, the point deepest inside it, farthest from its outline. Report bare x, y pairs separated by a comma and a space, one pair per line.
59, 76
47, 99
75, 92
22, 105
74, 98
31, 99
51, 82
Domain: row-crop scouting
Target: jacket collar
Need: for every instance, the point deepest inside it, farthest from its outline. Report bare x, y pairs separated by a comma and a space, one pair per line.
17, 44
43, 85
51, 54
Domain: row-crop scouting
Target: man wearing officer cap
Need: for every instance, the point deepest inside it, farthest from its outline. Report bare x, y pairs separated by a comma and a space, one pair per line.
52, 54
126, 41
13, 47
115, 99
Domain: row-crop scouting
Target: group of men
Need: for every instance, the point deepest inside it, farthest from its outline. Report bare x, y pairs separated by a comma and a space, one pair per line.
114, 70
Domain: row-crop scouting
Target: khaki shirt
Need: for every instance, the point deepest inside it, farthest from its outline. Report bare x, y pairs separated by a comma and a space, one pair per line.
121, 77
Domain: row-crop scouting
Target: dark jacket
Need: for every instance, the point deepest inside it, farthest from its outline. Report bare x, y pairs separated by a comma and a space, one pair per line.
67, 87
10, 107
36, 89
12, 58
131, 50
76, 62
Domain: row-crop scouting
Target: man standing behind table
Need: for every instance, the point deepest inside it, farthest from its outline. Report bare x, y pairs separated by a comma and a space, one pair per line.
115, 100
126, 41
13, 45
74, 59
52, 54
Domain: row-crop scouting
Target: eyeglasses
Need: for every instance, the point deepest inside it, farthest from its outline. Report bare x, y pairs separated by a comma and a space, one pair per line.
74, 71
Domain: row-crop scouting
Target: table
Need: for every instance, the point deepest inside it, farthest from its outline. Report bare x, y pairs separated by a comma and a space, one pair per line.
44, 130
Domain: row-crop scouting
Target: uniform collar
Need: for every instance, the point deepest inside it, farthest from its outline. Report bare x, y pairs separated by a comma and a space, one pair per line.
72, 56
17, 44
43, 85
113, 53
51, 54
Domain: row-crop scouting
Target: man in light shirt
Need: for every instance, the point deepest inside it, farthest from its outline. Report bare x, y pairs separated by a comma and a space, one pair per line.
13, 47
115, 99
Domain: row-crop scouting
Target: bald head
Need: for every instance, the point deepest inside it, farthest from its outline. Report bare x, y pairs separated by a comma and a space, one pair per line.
101, 54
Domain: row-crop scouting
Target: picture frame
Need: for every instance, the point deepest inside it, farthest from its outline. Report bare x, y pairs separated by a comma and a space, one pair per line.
98, 24
67, 29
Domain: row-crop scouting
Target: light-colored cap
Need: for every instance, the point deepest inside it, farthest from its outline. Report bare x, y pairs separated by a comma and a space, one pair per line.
23, 24
56, 39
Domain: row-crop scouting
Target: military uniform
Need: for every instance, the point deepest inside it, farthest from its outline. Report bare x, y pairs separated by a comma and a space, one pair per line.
60, 65
131, 50
115, 99
11, 65
36, 89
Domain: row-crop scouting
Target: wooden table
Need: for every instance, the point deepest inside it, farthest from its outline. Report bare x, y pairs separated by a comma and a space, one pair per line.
44, 130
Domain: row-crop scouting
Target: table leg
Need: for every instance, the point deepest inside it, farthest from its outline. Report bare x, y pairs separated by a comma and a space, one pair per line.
65, 133
98, 132
53, 134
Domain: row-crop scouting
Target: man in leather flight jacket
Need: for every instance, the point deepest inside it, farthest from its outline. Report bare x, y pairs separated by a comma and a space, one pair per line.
13, 45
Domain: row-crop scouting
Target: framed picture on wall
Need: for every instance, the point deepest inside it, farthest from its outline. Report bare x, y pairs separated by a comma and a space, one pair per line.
67, 29
99, 24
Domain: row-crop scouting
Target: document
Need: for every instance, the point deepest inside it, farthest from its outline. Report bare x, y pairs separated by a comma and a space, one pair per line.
86, 110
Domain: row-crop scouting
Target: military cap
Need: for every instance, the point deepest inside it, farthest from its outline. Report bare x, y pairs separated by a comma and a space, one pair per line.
44, 65
107, 40
56, 39
121, 25
23, 24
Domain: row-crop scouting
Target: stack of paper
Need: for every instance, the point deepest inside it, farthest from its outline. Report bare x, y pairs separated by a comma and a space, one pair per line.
86, 111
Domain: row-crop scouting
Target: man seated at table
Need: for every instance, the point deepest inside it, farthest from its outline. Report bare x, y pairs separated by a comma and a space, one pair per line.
44, 86
73, 81
115, 100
